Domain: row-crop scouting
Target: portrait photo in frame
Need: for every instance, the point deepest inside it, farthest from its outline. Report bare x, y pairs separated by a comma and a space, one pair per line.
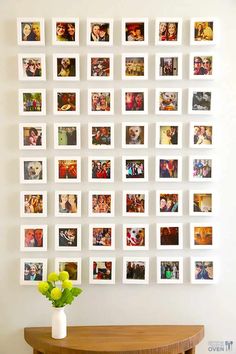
101, 237
169, 236
169, 135
203, 31
134, 66
135, 270
33, 270
201, 203
66, 101
134, 31
100, 66
200, 101
66, 136
134, 135
33, 238
101, 135
65, 31
201, 135
135, 168
30, 31
68, 237
31, 67
169, 66
101, 169
168, 31
66, 67
67, 169
169, 270
202, 235
32, 136
101, 204
33, 204
135, 203
169, 168
102, 270
68, 204
33, 170
134, 101
201, 168
101, 101
100, 32
168, 101
202, 66
70, 265
203, 270
32, 102
135, 237
169, 203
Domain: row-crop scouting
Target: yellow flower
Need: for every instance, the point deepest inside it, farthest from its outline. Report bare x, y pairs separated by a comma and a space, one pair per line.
43, 287
56, 293
52, 277
67, 284
63, 276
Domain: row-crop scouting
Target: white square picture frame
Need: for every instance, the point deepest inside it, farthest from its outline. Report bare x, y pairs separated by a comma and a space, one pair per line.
169, 270
134, 31
32, 102
67, 136
135, 203
68, 204
203, 270
168, 66
101, 135
67, 169
169, 135
168, 101
201, 168
102, 270
135, 168
33, 170
169, 203
168, 31
202, 235
203, 31
99, 32
101, 237
66, 101
169, 236
201, 101
65, 31
135, 270
135, 237
67, 237
202, 66
134, 101
101, 204
201, 203
66, 67
72, 265
33, 204
201, 135
101, 169
134, 135
32, 136
100, 66
33, 238
134, 66
33, 270
101, 101
168, 168
31, 67
30, 31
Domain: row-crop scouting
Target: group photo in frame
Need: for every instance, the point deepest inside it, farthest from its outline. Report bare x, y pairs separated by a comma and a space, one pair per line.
169, 203
32, 102
168, 168
168, 66
33, 170
203, 270
33, 204
101, 169
33, 270
201, 168
67, 169
134, 101
68, 204
101, 237
67, 237
201, 135
200, 101
169, 135
134, 135
32, 136
30, 31
135, 270
201, 203
100, 32
203, 31
101, 204
134, 66
100, 66
135, 168
31, 67
100, 135
66, 136
136, 237
135, 203
102, 270
202, 66
202, 235
33, 238
168, 101
66, 67
71, 265
134, 31
65, 31
101, 101
169, 270
168, 31
169, 236
66, 101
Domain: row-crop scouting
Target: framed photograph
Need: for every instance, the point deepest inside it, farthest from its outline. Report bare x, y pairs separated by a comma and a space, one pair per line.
200, 101
169, 168
135, 237
101, 101
168, 101
135, 101
33, 238
201, 203
66, 136
101, 169
203, 270
67, 169
170, 270
135, 203
70, 265
33, 170
99, 31
135, 270
169, 135
135, 66
66, 67
201, 66
32, 102
202, 236
169, 203
169, 66
32, 136
201, 135
101, 237
101, 204
135, 169
201, 168
101, 135
134, 135
168, 31
68, 204
169, 236
30, 31
100, 66
65, 31
33, 204
68, 237
31, 67
33, 270
66, 101
102, 270
134, 31
203, 31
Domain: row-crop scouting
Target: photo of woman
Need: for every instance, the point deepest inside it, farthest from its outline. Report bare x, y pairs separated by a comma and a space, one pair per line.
33, 204
99, 31
65, 31
68, 204
30, 31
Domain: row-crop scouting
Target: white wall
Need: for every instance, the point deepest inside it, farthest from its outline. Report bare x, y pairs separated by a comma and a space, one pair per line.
213, 306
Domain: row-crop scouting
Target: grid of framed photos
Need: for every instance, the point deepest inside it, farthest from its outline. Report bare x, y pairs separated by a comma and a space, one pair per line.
102, 105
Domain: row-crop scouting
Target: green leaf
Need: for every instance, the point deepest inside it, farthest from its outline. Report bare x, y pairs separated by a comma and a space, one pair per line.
76, 291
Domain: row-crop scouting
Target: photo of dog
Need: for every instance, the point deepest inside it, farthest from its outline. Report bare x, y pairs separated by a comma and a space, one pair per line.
33, 170
135, 237
135, 135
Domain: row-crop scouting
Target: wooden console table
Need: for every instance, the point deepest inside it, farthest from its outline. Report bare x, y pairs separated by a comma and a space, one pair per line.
117, 339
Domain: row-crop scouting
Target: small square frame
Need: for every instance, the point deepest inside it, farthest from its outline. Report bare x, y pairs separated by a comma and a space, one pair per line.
77, 168
65, 111
178, 41
23, 139
70, 56
201, 179
68, 214
101, 247
202, 143
43, 196
30, 20
201, 213
136, 20
102, 281
100, 125
101, 158
68, 248
203, 91
169, 192
103, 214
168, 108
200, 42
99, 21
169, 225
100, 91
133, 246
170, 259
23, 112
125, 56
35, 261
32, 172
22, 75
109, 56
146, 203
29, 247
65, 20
202, 246
56, 136
140, 259
135, 141
202, 74
145, 169
168, 138
69, 260
204, 259
160, 56
143, 91
179, 168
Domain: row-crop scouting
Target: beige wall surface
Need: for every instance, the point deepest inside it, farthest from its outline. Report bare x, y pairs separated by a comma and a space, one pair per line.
211, 305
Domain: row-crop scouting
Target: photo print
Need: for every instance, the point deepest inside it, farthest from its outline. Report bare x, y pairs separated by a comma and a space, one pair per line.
30, 31
168, 168
101, 204
33, 204
33, 270
168, 101
134, 135
67, 237
135, 203
101, 169
134, 169
134, 101
66, 67
101, 136
169, 236
135, 270
68, 203
202, 235
66, 101
31, 67
168, 66
169, 135
99, 31
32, 102
67, 136
169, 270
32, 136
101, 101
102, 237
100, 66
134, 66
33, 170
102, 270
201, 135
200, 169
70, 265
135, 237
201, 67
200, 101
134, 31
168, 31
203, 270
33, 238
201, 203
169, 203
67, 169
65, 31
202, 31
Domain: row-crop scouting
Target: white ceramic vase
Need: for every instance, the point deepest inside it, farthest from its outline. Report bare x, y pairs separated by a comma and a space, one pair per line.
59, 326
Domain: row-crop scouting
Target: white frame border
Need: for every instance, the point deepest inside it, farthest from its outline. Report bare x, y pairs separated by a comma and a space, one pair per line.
136, 259
158, 236
191, 66
101, 215
99, 20
191, 135
67, 248
179, 34
180, 202
143, 20
167, 157
70, 259
55, 101
168, 77
134, 55
135, 226
166, 124
66, 20
157, 101
170, 259
67, 215
29, 20
32, 113
100, 55
32, 260
102, 281
146, 201
33, 215
23, 248
101, 248
77, 66
22, 138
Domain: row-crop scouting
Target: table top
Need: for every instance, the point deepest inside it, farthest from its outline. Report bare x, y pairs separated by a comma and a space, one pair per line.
117, 339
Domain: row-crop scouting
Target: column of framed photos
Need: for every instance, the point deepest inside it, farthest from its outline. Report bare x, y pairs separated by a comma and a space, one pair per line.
134, 133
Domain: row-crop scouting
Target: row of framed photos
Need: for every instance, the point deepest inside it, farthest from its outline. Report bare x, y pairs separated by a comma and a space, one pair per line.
67, 169
134, 135
101, 237
134, 31
67, 203
66, 66
134, 101
102, 270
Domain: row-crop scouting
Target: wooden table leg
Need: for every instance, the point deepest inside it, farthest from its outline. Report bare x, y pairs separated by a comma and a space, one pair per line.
190, 351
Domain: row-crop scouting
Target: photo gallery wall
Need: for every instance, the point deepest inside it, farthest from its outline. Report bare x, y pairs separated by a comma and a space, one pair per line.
169, 160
